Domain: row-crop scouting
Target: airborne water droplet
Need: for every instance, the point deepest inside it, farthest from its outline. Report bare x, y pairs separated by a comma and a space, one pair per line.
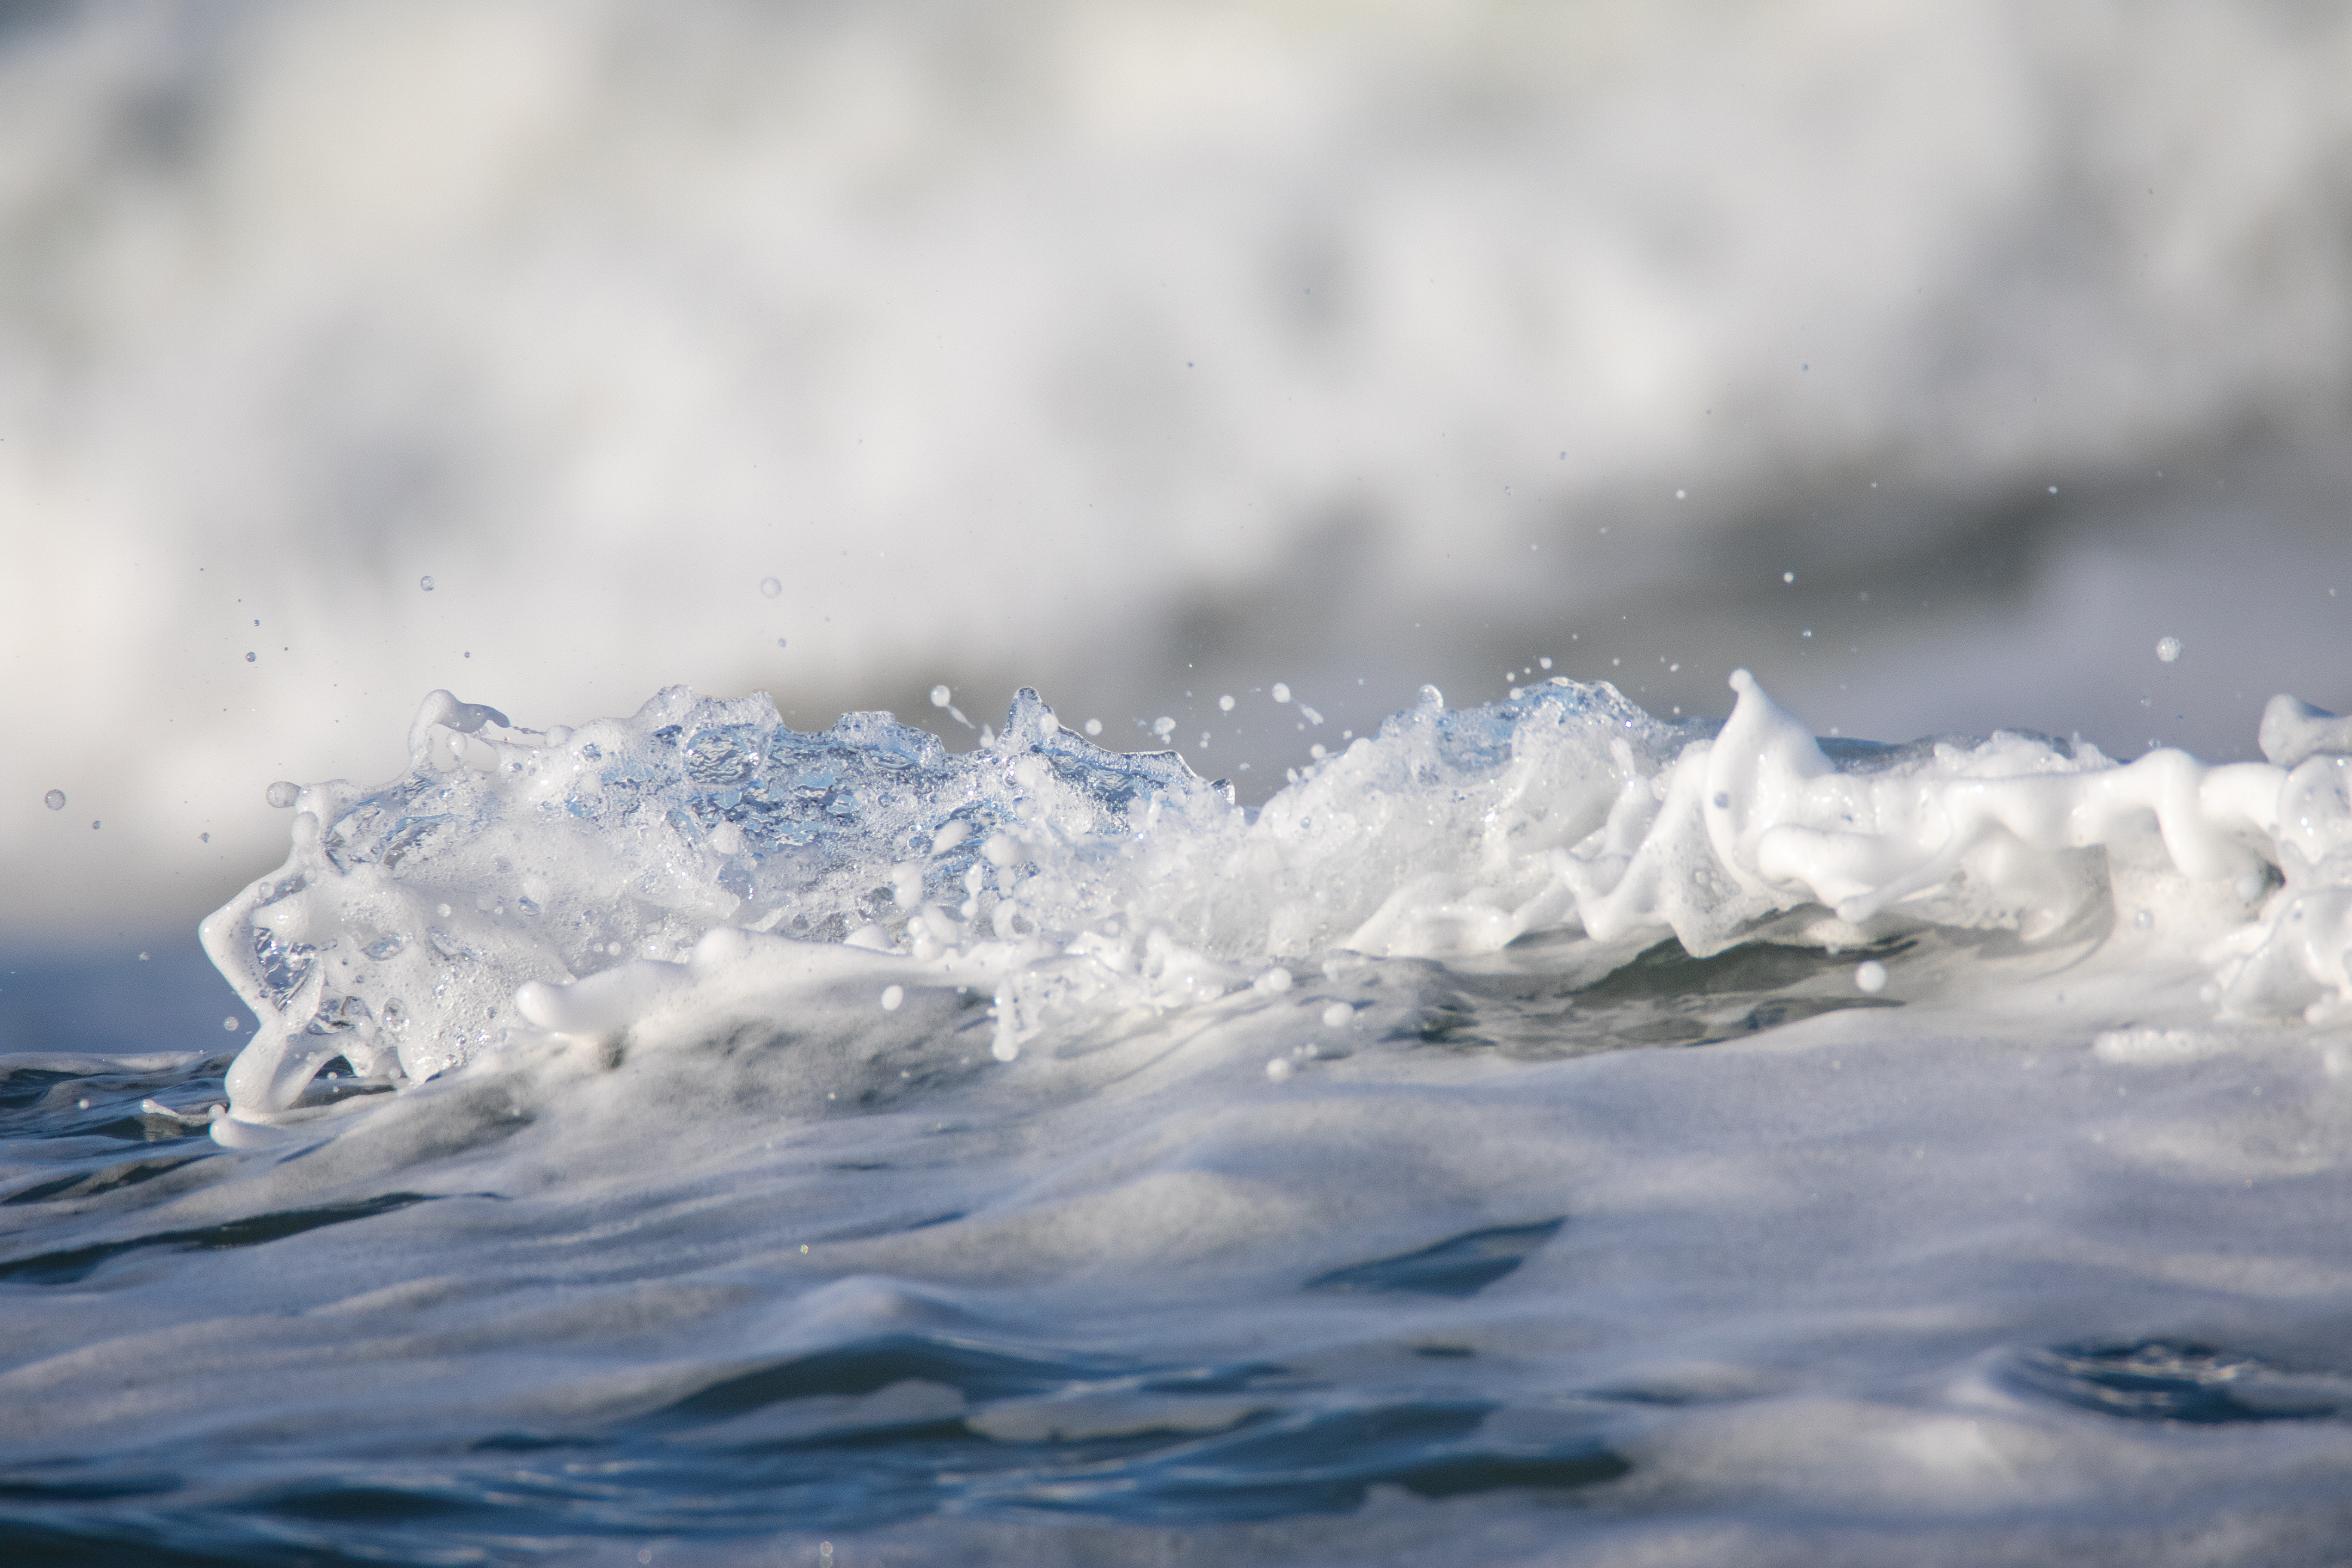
426, 583
2167, 648
939, 695
1279, 692
1226, 704
283, 794
229, 1024
770, 586
248, 659
54, 800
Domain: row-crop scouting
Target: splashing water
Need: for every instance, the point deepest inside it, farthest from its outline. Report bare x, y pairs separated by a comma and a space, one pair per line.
519, 884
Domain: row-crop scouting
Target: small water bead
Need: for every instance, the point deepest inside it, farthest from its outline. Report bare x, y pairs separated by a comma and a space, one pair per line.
229, 1024
1870, 976
93, 827
283, 794
1225, 703
892, 996
1278, 1069
426, 583
1788, 576
939, 695
54, 800
1336, 1015
2167, 648
1430, 698
1279, 692
1163, 727
249, 658
1094, 726
770, 586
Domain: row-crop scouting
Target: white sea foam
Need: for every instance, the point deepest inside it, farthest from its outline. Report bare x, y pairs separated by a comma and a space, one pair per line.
515, 885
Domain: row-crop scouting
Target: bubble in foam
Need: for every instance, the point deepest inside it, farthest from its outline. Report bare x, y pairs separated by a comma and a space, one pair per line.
1870, 976
54, 800
426, 583
770, 586
282, 793
2167, 648
1279, 692
939, 695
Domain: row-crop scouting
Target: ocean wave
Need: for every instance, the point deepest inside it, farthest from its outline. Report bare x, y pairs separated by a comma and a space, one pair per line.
700, 861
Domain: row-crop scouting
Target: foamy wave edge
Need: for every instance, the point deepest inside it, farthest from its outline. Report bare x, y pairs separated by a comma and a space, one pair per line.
568, 883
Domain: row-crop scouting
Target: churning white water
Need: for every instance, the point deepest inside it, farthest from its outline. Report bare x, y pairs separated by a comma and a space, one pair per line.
1541, 1128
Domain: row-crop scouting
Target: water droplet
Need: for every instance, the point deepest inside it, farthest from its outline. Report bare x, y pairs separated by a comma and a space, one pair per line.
1278, 1069
2167, 648
2144, 921
1225, 703
426, 583
229, 1024
93, 827
1429, 696
780, 642
1279, 692
283, 794
1788, 576
1544, 663
939, 695
203, 839
1094, 726
1336, 1015
1871, 976
1163, 727
1722, 800
770, 586
54, 800
892, 996
248, 659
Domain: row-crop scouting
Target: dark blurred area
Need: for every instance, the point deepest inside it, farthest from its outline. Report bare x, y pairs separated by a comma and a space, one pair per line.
1934, 361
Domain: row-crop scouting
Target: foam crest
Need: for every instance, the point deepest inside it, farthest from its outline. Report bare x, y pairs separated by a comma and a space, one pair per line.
572, 882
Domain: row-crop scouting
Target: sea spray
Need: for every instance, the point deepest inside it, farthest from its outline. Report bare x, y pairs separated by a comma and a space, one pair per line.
512, 882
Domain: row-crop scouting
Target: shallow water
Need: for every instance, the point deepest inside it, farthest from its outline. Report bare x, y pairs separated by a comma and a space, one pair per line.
1557, 1244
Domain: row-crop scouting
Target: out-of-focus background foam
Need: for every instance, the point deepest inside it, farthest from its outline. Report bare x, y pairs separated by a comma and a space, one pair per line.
1145, 351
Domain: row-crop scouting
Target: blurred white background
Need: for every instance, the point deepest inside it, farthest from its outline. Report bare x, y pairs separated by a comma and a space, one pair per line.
1143, 352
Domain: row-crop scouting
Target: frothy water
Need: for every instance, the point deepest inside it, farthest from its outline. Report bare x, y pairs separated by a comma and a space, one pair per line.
1540, 1127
